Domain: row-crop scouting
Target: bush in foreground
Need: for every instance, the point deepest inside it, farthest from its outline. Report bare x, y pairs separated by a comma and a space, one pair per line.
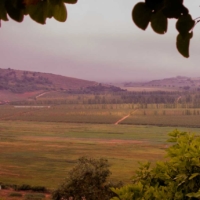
178, 178
88, 179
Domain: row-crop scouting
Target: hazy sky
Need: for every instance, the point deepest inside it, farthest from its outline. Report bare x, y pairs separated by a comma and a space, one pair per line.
98, 42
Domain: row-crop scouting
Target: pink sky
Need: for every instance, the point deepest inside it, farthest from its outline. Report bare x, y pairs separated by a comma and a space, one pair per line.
98, 42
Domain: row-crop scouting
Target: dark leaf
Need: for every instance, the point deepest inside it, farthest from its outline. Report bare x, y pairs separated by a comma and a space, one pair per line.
55, 2
154, 4
3, 13
184, 24
14, 10
39, 12
174, 9
50, 10
141, 15
183, 43
70, 1
30, 2
60, 12
159, 22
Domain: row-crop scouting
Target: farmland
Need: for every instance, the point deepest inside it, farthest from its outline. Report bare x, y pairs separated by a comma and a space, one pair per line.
152, 114
41, 153
39, 145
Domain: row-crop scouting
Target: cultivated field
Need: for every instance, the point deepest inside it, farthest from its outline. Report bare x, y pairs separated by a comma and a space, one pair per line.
153, 114
106, 114
42, 153
39, 145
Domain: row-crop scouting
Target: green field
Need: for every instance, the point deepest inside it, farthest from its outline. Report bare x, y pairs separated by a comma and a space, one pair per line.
41, 153
106, 114
38, 146
157, 115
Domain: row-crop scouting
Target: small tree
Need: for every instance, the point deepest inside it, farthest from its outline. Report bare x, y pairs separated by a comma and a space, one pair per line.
87, 179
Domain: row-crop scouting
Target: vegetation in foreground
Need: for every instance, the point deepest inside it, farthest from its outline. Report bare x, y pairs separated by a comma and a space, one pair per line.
177, 178
88, 179
174, 179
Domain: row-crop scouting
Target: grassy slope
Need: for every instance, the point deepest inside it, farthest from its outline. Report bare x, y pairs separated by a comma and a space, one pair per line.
14, 83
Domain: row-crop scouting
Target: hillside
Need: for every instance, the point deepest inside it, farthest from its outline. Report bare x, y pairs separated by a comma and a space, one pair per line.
18, 81
179, 82
20, 85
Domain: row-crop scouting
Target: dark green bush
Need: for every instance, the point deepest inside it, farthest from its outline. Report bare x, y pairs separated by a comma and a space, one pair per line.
34, 196
15, 194
26, 187
89, 179
38, 188
23, 187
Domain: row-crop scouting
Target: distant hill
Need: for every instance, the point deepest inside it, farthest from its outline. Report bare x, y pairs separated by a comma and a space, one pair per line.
19, 85
179, 82
18, 81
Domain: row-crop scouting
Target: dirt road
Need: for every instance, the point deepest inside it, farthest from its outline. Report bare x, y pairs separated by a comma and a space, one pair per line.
116, 123
123, 118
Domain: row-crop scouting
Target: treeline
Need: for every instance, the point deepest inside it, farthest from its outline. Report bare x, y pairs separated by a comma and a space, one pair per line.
170, 99
96, 89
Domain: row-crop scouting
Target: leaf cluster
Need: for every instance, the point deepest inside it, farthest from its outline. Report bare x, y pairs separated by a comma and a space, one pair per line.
38, 10
178, 178
157, 13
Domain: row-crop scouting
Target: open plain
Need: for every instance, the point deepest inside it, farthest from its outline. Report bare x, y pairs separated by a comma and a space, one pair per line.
42, 153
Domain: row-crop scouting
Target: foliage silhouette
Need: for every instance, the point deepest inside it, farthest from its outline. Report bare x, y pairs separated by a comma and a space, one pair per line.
156, 12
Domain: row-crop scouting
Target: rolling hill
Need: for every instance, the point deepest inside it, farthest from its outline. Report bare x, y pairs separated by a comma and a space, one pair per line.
175, 83
20, 85
18, 81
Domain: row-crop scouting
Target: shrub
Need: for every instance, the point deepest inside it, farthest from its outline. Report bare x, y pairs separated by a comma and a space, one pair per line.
23, 187
38, 189
7, 186
34, 196
87, 179
26, 187
15, 194
178, 178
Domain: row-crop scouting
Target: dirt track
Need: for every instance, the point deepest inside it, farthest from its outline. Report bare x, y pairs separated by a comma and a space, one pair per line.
123, 118
116, 123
